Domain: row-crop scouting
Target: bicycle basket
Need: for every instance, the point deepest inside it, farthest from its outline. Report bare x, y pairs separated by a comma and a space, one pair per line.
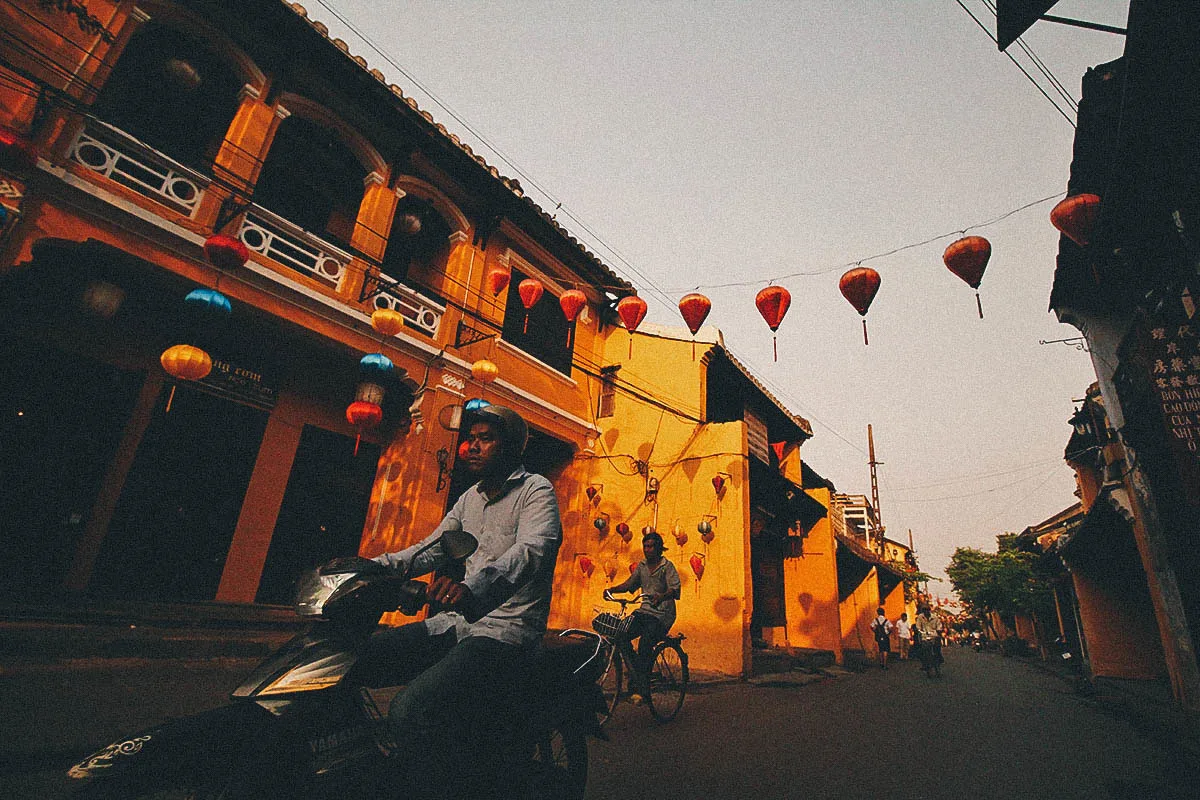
611, 625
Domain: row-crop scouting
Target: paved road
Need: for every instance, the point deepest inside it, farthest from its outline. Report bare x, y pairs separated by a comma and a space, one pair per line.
990, 727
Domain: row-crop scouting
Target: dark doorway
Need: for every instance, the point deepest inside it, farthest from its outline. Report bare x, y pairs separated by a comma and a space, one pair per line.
175, 519
61, 419
766, 568
324, 510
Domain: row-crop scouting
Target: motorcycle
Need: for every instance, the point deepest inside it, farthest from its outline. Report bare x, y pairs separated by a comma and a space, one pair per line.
301, 725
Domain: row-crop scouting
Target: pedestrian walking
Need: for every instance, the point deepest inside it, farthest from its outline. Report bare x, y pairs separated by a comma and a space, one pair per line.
929, 627
904, 636
882, 627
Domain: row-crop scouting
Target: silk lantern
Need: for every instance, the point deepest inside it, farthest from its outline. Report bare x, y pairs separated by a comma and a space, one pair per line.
485, 371
531, 291
387, 321
697, 563
497, 279
586, 566
209, 301
225, 252
572, 302
632, 310
623, 531
773, 303
967, 258
362, 414
694, 308
184, 362
859, 287
1075, 217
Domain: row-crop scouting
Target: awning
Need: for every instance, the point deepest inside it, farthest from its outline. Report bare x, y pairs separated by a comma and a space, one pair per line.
786, 502
1104, 531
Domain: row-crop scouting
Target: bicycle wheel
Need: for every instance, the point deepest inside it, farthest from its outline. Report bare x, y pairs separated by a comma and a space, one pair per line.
610, 685
668, 680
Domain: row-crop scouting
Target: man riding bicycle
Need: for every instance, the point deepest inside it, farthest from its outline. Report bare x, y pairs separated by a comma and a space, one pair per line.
659, 582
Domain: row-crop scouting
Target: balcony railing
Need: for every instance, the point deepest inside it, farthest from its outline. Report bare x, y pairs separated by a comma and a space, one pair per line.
291, 245
116, 155
417, 310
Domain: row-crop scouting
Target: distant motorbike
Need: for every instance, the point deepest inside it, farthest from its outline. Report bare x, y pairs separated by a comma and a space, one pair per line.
302, 726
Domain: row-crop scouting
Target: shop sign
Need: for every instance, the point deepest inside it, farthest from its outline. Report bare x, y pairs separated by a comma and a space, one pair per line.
240, 383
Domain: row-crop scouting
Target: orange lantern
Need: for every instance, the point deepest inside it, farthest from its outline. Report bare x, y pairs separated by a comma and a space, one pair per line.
586, 566
225, 252
680, 534
572, 302
610, 569
362, 414
1075, 217
967, 258
859, 286
773, 303
632, 310
531, 290
184, 362
697, 563
497, 279
485, 371
387, 321
694, 308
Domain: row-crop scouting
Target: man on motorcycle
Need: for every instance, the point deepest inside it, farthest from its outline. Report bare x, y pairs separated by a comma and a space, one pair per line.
462, 659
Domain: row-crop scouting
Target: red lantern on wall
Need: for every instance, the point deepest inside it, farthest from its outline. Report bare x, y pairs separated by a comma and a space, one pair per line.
967, 258
531, 291
697, 564
859, 286
632, 310
694, 308
1075, 217
623, 531
773, 303
362, 414
572, 302
497, 279
225, 252
586, 566
718, 483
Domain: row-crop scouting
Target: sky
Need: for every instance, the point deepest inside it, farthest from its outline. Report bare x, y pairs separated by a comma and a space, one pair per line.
694, 145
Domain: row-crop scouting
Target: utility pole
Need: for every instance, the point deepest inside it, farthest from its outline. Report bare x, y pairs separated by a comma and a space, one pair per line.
879, 527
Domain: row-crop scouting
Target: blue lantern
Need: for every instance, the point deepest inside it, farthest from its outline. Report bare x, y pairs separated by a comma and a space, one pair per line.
375, 364
209, 301
476, 404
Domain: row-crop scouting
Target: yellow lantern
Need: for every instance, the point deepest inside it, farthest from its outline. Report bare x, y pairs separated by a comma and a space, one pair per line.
387, 321
186, 362
485, 371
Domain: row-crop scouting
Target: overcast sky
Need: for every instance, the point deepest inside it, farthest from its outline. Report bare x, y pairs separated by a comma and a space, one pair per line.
694, 145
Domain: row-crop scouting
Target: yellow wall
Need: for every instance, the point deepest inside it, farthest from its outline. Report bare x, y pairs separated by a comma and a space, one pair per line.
857, 611
811, 589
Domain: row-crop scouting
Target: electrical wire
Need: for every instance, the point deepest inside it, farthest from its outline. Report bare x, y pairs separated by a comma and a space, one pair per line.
967, 478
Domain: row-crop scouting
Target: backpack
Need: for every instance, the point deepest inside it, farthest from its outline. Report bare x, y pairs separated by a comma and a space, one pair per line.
881, 629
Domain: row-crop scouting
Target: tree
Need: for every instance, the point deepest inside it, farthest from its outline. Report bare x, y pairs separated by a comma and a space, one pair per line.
1004, 583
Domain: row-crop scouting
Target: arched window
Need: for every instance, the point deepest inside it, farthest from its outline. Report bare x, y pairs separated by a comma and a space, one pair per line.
172, 92
312, 179
419, 243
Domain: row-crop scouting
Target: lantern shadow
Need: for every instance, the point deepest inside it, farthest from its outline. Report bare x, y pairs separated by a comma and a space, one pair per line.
727, 608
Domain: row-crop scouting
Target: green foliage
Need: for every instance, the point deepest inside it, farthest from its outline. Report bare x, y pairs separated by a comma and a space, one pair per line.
1004, 583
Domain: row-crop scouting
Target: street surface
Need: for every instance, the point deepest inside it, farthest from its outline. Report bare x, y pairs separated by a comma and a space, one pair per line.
991, 727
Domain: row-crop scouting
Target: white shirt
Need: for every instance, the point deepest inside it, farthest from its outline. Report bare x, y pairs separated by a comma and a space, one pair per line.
903, 630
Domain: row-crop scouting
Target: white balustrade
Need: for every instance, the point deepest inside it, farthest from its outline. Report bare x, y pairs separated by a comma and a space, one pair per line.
136, 165
417, 310
291, 245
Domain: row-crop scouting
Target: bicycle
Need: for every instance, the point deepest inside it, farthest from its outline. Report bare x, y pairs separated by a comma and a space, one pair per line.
668, 670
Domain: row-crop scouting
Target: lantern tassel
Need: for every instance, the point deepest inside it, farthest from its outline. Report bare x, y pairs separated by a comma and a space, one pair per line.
979, 304
526, 328
357, 439
865, 340
693, 349
775, 347
631, 344
170, 399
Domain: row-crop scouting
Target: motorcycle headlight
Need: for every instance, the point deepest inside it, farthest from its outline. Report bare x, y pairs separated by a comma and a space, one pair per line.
315, 589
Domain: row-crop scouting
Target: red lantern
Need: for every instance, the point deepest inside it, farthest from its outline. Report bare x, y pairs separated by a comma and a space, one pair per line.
586, 566
591, 493
531, 290
718, 483
697, 562
610, 569
773, 302
225, 252
967, 258
572, 302
694, 307
632, 568
362, 414
632, 310
778, 448
859, 286
623, 531
497, 279
1075, 217
464, 447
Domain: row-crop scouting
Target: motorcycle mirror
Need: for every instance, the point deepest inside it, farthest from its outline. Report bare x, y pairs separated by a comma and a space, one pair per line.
458, 545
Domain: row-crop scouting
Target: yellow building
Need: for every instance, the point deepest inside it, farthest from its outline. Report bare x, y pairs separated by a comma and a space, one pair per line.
165, 137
